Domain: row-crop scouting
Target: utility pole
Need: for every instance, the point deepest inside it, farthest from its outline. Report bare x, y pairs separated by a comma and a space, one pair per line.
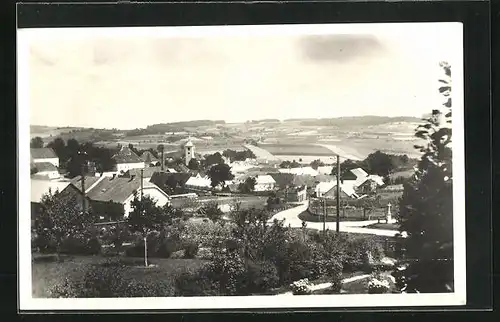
324, 215
142, 214
83, 188
338, 193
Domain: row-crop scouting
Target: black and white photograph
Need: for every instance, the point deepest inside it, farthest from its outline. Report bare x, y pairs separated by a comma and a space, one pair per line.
233, 167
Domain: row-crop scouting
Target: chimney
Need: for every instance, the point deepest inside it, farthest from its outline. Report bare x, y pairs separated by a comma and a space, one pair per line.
132, 177
114, 175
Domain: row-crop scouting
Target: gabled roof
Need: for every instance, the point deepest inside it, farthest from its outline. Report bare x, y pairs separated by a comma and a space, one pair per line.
45, 166
264, 179
161, 178
114, 189
126, 155
89, 181
283, 180
359, 173
148, 157
147, 172
347, 188
43, 153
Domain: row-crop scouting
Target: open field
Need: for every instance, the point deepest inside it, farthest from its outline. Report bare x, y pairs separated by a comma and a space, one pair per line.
296, 149
47, 272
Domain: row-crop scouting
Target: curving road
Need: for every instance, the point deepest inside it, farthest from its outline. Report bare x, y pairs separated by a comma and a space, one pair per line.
291, 218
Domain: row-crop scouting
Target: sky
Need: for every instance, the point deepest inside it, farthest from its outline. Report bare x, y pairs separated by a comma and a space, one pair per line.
134, 79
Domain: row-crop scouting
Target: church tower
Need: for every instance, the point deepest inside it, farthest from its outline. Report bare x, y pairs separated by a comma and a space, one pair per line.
189, 151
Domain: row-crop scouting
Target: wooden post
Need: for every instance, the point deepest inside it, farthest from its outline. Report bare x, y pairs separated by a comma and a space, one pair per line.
338, 193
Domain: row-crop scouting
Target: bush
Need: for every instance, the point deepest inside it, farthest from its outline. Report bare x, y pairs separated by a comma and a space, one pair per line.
79, 245
191, 249
361, 252
178, 254
261, 276
198, 283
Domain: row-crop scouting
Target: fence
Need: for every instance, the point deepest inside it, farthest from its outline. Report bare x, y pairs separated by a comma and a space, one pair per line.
318, 207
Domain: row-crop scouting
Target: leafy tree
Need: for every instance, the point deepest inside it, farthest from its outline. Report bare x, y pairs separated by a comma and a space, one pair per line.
219, 173
36, 142
379, 163
213, 159
61, 217
426, 207
290, 164
212, 211
247, 186
146, 217
194, 164
59, 147
316, 164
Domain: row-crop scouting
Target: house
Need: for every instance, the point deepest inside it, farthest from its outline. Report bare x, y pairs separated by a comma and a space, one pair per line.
324, 187
149, 159
126, 159
46, 169
114, 194
296, 194
147, 172
283, 180
347, 191
264, 183
45, 155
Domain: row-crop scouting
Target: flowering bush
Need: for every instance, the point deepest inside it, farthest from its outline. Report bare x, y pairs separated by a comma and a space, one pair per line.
301, 287
377, 286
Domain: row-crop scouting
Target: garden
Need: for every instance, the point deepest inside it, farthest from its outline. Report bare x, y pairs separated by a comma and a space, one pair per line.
192, 256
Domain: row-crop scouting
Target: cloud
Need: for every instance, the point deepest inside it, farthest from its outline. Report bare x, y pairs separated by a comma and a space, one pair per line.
339, 48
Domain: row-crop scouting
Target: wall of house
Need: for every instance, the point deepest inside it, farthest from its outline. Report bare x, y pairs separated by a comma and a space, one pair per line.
127, 166
54, 161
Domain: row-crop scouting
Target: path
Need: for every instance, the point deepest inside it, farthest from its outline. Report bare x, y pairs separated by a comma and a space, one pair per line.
323, 286
291, 217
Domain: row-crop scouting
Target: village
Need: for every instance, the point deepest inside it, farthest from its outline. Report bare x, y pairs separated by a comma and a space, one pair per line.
254, 182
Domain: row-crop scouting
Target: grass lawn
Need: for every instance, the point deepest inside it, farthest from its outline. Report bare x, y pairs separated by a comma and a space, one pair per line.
47, 272
382, 225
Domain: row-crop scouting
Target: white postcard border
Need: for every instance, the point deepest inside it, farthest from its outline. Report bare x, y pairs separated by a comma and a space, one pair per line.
458, 297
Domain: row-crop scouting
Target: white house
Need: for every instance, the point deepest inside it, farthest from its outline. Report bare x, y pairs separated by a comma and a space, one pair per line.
325, 170
121, 190
44, 155
40, 187
126, 159
324, 187
264, 183
46, 169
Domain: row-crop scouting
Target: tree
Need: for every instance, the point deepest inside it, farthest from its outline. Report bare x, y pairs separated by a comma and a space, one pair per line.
219, 173
316, 164
146, 217
247, 186
61, 216
212, 159
212, 211
379, 163
59, 147
194, 164
426, 207
161, 149
36, 142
